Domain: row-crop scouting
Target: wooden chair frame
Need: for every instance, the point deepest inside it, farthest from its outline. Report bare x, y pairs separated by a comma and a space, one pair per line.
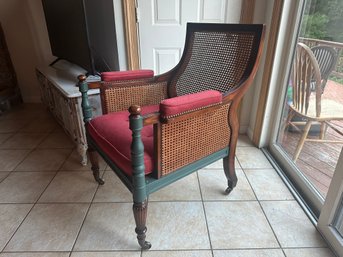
167, 86
326, 57
306, 71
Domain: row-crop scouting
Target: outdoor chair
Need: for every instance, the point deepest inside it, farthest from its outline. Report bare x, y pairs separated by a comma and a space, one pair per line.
326, 57
309, 105
157, 129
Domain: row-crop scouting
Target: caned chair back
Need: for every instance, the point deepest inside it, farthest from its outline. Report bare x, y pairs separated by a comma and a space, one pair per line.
216, 56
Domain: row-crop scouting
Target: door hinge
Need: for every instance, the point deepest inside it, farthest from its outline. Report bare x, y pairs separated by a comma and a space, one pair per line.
137, 14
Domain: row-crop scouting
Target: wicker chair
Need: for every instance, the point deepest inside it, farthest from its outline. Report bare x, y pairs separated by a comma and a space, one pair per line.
309, 105
179, 121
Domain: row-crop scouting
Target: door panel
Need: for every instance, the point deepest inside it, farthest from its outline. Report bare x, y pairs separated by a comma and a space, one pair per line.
212, 11
165, 58
166, 12
162, 27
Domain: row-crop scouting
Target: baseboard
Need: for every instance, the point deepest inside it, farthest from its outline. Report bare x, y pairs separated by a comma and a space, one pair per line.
243, 129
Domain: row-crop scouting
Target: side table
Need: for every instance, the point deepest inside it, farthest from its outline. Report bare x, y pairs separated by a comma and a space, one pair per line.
62, 97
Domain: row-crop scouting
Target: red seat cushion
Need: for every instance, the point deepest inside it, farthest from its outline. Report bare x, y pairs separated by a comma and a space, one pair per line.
186, 103
112, 134
126, 75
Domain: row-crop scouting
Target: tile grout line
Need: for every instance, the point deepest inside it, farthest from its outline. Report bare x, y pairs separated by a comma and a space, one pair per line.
36, 202
86, 214
265, 216
9, 240
29, 152
203, 206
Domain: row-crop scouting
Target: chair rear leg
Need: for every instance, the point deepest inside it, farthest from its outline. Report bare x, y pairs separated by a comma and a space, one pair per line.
323, 128
229, 161
140, 211
230, 173
94, 159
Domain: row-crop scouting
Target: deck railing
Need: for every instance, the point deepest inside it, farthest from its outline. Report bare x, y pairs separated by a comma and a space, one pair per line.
311, 42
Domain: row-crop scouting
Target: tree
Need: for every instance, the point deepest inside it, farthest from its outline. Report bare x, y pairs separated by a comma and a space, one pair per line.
323, 19
314, 26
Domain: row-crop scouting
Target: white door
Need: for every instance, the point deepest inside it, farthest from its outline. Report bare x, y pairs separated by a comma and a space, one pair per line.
330, 221
162, 27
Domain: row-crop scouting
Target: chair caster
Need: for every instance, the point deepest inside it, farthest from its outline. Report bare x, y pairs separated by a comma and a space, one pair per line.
228, 190
145, 245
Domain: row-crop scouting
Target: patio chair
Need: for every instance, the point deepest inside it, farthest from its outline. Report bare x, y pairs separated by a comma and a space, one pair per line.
177, 122
326, 57
308, 105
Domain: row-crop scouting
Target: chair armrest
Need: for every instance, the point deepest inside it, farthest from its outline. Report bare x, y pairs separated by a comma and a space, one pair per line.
176, 106
126, 75
192, 136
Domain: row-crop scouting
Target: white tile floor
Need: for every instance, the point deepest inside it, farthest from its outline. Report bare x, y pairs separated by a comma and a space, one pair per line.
50, 206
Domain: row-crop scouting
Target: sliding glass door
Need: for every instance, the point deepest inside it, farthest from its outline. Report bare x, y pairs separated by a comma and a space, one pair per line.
331, 218
308, 135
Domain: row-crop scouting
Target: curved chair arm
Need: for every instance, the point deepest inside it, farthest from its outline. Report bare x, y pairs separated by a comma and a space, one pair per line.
183, 107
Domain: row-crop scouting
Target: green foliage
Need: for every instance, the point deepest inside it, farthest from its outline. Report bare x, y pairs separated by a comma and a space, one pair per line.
323, 19
334, 26
314, 26
336, 79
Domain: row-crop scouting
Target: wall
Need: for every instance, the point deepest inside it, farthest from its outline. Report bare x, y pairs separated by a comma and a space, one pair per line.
118, 16
16, 18
262, 14
24, 26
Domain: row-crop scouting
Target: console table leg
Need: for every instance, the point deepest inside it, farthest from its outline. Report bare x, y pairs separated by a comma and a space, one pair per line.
82, 150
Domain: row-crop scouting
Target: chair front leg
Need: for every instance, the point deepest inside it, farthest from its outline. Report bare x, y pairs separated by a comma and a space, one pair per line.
302, 140
140, 211
140, 201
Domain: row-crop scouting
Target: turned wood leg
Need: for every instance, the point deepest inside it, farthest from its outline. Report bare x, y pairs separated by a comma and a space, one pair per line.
290, 116
94, 159
302, 141
230, 173
140, 202
229, 161
323, 128
140, 213
82, 150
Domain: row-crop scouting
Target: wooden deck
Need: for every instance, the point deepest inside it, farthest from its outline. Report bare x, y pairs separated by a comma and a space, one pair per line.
317, 161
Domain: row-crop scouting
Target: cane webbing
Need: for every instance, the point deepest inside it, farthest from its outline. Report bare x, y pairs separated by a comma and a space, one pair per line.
121, 98
215, 61
187, 141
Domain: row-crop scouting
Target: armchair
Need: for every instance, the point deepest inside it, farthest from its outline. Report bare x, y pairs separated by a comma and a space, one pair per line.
177, 122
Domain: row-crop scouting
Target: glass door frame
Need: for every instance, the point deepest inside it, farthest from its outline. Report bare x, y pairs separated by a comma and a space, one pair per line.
331, 207
288, 36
